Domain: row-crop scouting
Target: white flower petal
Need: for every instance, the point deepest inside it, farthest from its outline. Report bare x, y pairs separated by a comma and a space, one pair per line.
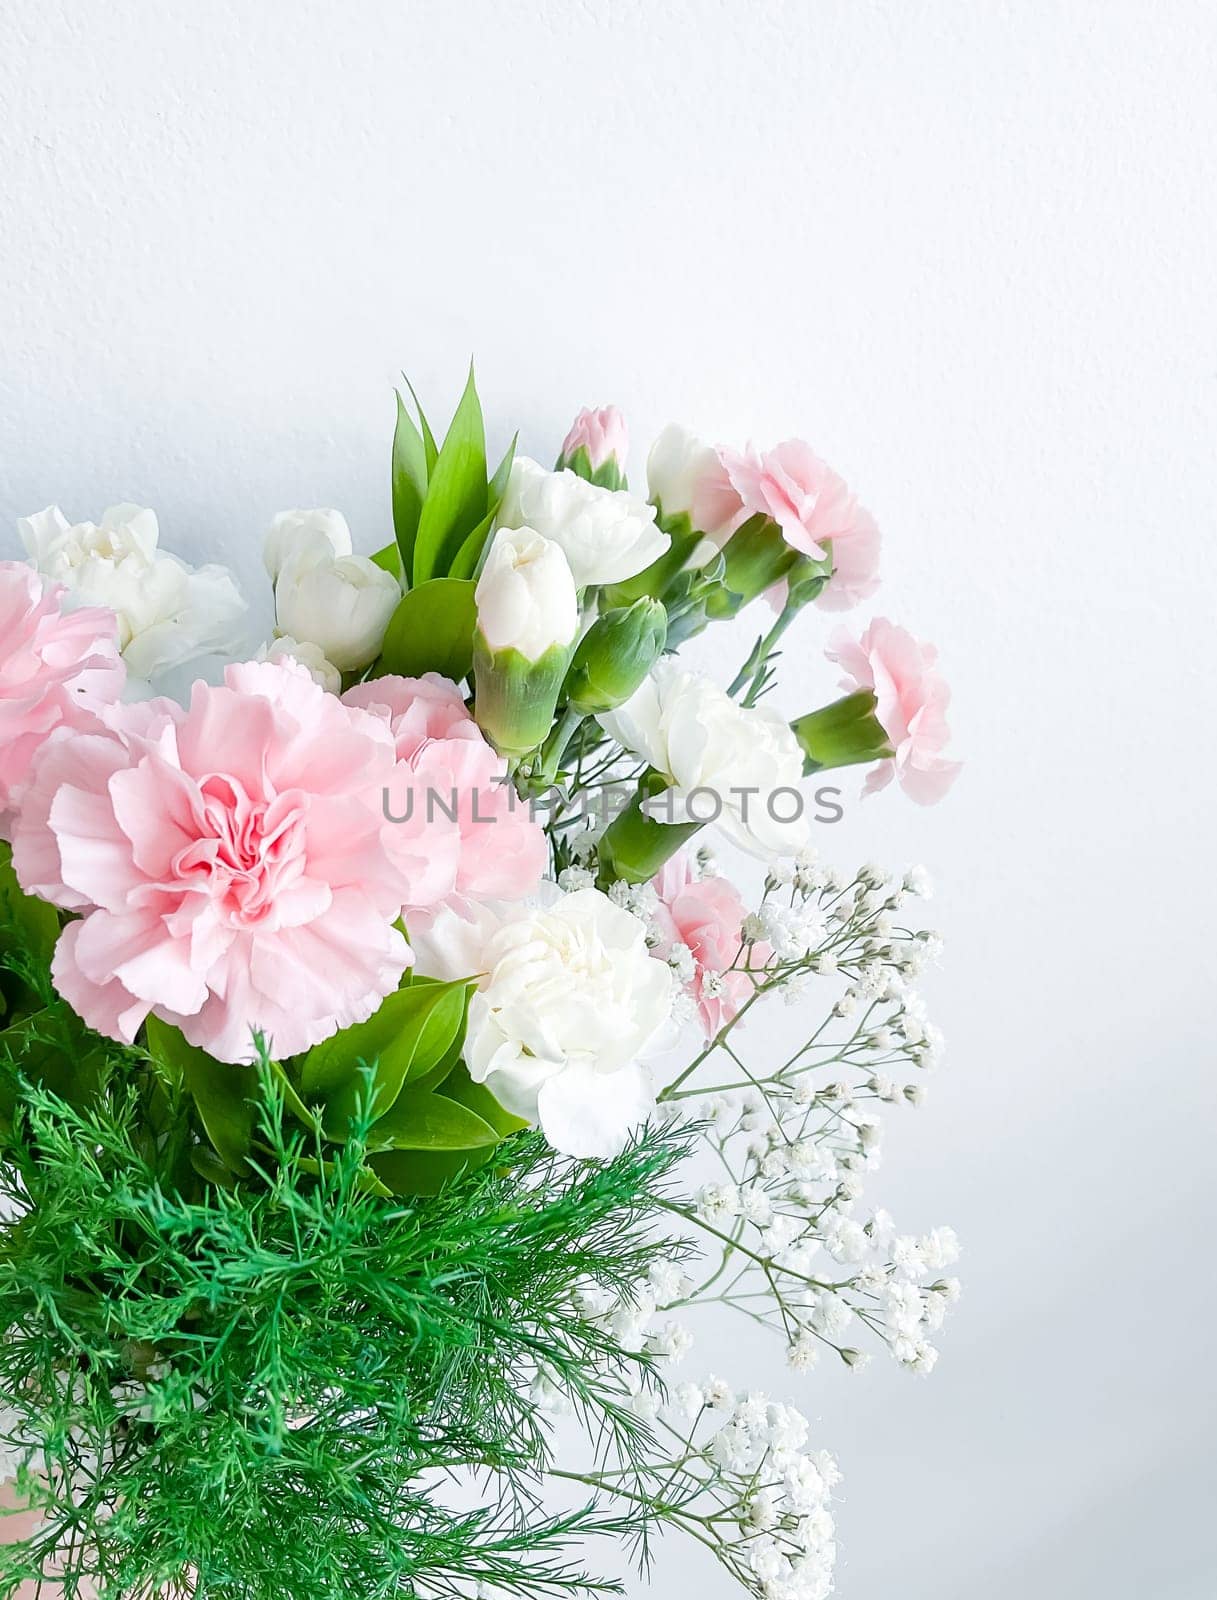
592, 1114
606, 534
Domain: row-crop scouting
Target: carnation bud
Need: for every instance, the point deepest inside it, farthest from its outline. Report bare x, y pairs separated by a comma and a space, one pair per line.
322, 671
615, 655
293, 534
756, 556
843, 734
596, 447
684, 484
527, 617
340, 604
682, 476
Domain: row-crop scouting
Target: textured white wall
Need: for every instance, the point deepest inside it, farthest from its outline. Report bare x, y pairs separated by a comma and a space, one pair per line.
965, 248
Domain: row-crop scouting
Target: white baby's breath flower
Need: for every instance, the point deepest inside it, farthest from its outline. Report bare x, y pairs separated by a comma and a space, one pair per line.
719, 1394
762, 1511
803, 1352
680, 959
670, 1343
757, 1207
572, 878
718, 1202
918, 881
688, 1401
707, 862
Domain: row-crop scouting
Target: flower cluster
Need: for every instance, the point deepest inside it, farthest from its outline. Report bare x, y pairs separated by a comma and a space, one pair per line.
352, 868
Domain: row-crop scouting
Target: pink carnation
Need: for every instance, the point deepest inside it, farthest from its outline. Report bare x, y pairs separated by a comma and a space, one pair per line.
57, 670
455, 824
707, 916
814, 508
227, 861
911, 704
602, 433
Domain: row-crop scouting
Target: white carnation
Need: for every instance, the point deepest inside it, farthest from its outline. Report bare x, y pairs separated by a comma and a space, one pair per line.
568, 1000
320, 668
737, 766
525, 596
606, 534
169, 614
682, 472
293, 534
341, 604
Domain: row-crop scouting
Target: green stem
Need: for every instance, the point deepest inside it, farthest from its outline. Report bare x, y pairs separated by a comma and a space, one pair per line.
554, 748
756, 663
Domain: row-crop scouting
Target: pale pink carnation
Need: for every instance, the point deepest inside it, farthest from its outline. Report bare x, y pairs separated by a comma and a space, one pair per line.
707, 915
227, 861
602, 433
57, 670
454, 822
814, 508
911, 704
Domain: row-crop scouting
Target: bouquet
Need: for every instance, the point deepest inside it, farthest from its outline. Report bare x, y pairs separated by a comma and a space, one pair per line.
379, 1077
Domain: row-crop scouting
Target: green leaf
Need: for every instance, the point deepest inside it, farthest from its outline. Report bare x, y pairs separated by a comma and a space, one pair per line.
26, 924
478, 1098
430, 449
430, 1121
435, 1077
366, 1180
468, 558
431, 631
456, 499
410, 1034
497, 486
54, 1049
425, 1172
209, 1167
409, 480
390, 559
221, 1091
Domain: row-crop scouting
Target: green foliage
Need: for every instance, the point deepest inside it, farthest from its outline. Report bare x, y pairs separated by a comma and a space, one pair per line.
395, 1068
444, 501
220, 1092
456, 489
32, 925
409, 483
261, 1386
431, 631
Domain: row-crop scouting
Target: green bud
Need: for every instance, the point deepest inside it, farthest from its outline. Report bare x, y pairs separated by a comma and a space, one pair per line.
608, 475
843, 734
514, 698
615, 655
757, 556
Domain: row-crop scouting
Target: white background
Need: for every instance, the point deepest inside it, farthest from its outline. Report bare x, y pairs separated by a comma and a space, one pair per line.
967, 250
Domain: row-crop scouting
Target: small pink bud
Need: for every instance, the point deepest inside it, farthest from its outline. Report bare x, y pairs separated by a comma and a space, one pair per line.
603, 434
